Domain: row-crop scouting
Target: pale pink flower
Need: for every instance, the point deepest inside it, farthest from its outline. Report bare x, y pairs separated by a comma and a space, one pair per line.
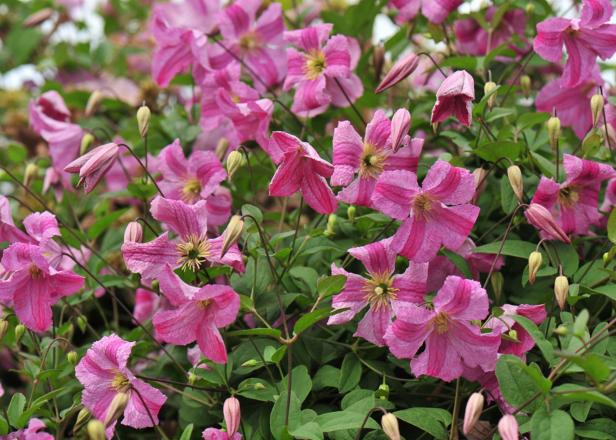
505, 323
147, 303
455, 98
436, 11
32, 432
93, 165
231, 412
402, 69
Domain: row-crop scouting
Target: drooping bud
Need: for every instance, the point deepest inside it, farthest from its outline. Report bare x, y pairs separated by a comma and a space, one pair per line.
86, 141
95, 98
143, 120
234, 162
402, 69
19, 332
351, 212
561, 290
400, 124
378, 59
508, 427
553, 131
596, 106
72, 357
231, 411
38, 17
221, 148
331, 223
538, 216
389, 423
525, 85
514, 174
232, 233
534, 264
96, 430
481, 178
93, 165
30, 173
530, 8
116, 408
4, 326
474, 406
82, 418
489, 89
192, 378
133, 233
81, 323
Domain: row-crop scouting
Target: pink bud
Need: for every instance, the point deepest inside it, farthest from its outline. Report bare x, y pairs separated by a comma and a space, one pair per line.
538, 216
231, 411
403, 68
400, 124
454, 98
508, 427
133, 233
474, 406
93, 165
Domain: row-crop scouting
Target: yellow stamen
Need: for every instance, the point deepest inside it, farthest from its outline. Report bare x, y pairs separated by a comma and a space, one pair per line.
193, 252
379, 290
568, 196
249, 42
35, 272
422, 205
441, 323
191, 190
315, 64
372, 161
120, 383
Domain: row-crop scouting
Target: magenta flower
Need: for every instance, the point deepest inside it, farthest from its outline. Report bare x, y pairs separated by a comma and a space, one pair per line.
147, 303
33, 286
197, 314
503, 324
436, 11
192, 249
369, 157
455, 98
258, 42
300, 169
32, 432
574, 203
585, 39
383, 291
451, 341
321, 69
93, 165
104, 374
231, 411
437, 213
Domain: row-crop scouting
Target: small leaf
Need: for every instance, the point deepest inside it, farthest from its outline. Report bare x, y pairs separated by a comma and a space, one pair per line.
310, 319
327, 286
434, 421
350, 373
611, 226
187, 432
271, 332
15, 409
556, 425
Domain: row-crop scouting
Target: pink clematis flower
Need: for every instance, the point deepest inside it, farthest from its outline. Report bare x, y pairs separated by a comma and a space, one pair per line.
437, 213
370, 157
192, 249
197, 314
383, 291
451, 341
504, 324
257, 41
300, 169
231, 411
585, 38
147, 303
322, 68
574, 203
32, 432
455, 98
93, 165
436, 11
33, 286
104, 374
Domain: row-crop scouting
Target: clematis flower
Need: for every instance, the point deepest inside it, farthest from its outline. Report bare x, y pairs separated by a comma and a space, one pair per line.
451, 341
382, 291
505, 324
572, 104
370, 157
585, 39
574, 203
300, 169
147, 303
32, 432
436, 11
437, 213
104, 374
610, 196
192, 249
93, 165
197, 314
258, 42
321, 69
402, 69
231, 411
455, 98
33, 286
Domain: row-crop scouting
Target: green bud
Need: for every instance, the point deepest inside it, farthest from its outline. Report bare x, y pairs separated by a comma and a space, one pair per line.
82, 418
489, 89
81, 323
382, 392
192, 378
497, 281
250, 363
86, 141
143, 120
20, 329
596, 105
525, 85
72, 357
96, 430
258, 386
553, 131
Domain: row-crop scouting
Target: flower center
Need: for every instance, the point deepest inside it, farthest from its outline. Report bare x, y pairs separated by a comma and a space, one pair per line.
120, 383
191, 190
441, 322
372, 161
568, 196
315, 64
193, 252
249, 41
35, 272
204, 304
422, 205
379, 290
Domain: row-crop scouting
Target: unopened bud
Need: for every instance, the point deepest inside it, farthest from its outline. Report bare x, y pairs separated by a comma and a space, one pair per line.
4, 326
116, 409
400, 124
81, 323
561, 290
596, 106
20, 329
525, 85
481, 179
514, 174
553, 131
497, 281
86, 141
508, 427
192, 378
30, 173
234, 162
378, 59
250, 363
143, 120
513, 335
72, 357
530, 8
38, 17
561, 330
232, 233
389, 423
82, 418
606, 258
95, 98
96, 430
534, 264
133, 233
221, 148
351, 212
258, 386
383, 392
400, 71
231, 411
489, 89
474, 406
331, 223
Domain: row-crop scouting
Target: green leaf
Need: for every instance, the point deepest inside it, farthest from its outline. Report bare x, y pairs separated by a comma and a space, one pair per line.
187, 432
4, 426
611, 226
277, 416
546, 166
512, 248
253, 211
104, 223
15, 409
556, 425
599, 429
434, 421
458, 261
350, 373
495, 150
301, 383
579, 325
593, 365
310, 319
305, 274
271, 332
339, 420
516, 384
327, 376
571, 392
544, 345
327, 286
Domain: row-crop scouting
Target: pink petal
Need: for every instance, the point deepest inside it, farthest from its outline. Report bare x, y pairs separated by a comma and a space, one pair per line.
439, 359
183, 219
550, 38
462, 299
359, 192
378, 131
379, 258
409, 330
337, 57
374, 325
352, 297
449, 184
348, 147
137, 415
596, 12
149, 259
393, 193
211, 344
317, 193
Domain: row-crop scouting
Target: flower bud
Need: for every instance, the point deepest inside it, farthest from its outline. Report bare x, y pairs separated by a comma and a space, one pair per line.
143, 120
86, 141
525, 85
81, 323
19, 332
508, 427
331, 223
96, 430
351, 212
402, 69
232, 233
133, 233
561, 330
72, 357
4, 326
481, 179
250, 363
561, 290
378, 60
553, 131
38, 17
234, 162
82, 418
192, 378
530, 8
231, 411
258, 386
221, 148
514, 174
497, 281
95, 98
400, 124
30, 173
538, 216
389, 423
474, 406
489, 89
383, 392
534, 264
596, 106
606, 257
116, 408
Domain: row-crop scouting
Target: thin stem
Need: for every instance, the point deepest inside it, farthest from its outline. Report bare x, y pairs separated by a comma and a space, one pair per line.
175, 382
453, 432
130, 150
426, 54
348, 98
363, 424
529, 56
